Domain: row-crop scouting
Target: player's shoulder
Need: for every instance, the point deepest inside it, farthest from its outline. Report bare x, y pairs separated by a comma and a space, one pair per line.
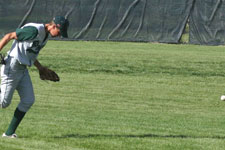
30, 31
39, 26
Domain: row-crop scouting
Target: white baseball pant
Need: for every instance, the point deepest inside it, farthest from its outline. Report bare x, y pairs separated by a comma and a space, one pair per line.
15, 76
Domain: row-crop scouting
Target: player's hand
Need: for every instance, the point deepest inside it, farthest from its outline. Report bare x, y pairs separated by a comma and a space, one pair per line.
48, 74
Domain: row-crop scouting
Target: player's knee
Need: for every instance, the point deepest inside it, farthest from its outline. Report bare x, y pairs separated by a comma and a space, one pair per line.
25, 106
5, 101
4, 105
31, 103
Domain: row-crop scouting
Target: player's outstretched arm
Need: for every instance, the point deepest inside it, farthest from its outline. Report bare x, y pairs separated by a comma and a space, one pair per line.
7, 38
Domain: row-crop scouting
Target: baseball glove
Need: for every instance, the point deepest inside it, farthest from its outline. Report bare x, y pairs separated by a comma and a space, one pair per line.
48, 74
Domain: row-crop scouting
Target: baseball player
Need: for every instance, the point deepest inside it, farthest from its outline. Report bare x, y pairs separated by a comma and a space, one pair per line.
28, 41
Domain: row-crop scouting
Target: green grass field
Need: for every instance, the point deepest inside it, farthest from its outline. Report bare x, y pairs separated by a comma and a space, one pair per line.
124, 96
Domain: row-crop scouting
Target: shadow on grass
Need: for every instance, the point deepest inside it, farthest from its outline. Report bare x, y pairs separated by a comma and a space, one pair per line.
137, 136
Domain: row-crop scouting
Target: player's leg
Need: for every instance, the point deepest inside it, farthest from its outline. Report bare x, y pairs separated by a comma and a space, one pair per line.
25, 90
26, 93
9, 82
11, 74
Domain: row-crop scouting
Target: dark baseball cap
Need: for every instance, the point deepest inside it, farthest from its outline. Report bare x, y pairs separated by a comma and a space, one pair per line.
63, 25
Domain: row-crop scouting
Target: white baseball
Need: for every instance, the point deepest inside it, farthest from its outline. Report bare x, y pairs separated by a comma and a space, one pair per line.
222, 98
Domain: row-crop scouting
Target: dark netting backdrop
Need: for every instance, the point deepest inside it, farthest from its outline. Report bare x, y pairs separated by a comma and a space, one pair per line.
207, 22
123, 20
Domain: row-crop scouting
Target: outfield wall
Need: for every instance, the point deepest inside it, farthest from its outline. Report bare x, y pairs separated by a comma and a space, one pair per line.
123, 20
